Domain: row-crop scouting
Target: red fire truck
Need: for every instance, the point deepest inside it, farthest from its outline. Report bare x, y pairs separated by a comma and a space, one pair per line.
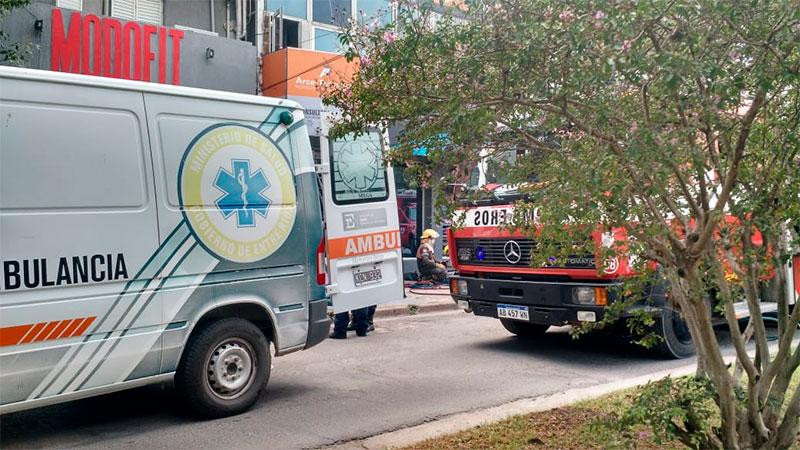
495, 279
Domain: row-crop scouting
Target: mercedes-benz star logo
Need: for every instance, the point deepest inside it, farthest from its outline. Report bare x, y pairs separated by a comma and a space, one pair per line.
512, 252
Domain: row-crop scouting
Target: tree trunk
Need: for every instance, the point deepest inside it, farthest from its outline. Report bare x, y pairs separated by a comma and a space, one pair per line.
720, 376
698, 315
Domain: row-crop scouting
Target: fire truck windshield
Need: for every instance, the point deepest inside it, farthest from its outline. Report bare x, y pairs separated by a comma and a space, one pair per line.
489, 182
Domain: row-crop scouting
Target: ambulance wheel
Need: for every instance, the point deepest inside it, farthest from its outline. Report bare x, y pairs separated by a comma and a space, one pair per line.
524, 329
224, 367
676, 341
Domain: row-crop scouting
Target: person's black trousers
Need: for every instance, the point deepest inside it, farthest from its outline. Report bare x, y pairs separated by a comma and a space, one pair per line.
341, 320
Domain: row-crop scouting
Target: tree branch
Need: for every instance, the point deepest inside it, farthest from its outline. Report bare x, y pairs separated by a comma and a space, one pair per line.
731, 175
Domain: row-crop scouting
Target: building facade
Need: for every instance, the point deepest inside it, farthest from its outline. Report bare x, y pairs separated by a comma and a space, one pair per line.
212, 44
316, 24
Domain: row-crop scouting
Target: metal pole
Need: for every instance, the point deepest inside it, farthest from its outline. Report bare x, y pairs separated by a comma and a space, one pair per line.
280, 29
245, 14
420, 224
271, 33
211, 5
228, 19
238, 19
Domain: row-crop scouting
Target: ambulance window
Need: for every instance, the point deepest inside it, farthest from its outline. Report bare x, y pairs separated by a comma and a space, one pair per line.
82, 158
358, 169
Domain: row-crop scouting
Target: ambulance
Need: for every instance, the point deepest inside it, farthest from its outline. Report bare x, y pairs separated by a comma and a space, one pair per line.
152, 233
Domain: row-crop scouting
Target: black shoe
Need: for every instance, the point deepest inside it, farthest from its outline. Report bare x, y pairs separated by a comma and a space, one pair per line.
361, 333
336, 335
371, 327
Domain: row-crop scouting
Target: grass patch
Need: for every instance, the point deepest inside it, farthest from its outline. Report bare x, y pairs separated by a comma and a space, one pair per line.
578, 426
570, 427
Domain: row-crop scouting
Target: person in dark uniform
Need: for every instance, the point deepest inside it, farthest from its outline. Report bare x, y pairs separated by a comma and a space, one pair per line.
370, 319
360, 323
427, 265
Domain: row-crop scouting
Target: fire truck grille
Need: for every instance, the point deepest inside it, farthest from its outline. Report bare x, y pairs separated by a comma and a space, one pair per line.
503, 252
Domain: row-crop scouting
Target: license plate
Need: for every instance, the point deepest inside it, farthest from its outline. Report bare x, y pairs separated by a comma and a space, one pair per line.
513, 312
367, 277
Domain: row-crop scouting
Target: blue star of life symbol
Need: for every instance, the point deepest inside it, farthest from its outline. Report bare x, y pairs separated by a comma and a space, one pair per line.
242, 193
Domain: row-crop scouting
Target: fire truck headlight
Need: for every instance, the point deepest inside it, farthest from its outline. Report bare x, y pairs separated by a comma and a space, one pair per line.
583, 295
462, 288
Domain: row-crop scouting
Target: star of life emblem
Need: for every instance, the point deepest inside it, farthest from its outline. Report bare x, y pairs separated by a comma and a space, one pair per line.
237, 194
242, 193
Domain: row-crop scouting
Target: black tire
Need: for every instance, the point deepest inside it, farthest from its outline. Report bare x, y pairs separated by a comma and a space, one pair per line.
676, 341
240, 351
524, 329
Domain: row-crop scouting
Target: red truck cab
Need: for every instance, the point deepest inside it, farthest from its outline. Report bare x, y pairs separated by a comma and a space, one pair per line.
495, 279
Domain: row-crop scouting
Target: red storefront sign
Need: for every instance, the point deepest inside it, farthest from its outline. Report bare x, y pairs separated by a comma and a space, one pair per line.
107, 47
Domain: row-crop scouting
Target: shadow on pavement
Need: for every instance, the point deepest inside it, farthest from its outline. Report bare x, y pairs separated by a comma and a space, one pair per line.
558, 346
142, 409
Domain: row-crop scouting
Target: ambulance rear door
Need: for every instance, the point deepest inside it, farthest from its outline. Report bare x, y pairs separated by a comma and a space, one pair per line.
362, 233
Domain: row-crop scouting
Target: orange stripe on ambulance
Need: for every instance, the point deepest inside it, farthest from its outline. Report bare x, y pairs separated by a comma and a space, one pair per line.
363, 244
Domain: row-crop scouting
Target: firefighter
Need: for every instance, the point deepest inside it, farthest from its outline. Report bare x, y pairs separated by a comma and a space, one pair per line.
427, 265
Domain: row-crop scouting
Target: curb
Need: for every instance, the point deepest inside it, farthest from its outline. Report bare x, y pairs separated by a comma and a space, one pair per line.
467, 420
411, 309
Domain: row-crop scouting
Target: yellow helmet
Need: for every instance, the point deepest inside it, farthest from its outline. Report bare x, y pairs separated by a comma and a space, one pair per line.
429, 234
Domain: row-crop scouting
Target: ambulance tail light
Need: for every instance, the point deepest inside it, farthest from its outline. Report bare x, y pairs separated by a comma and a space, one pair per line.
322, 273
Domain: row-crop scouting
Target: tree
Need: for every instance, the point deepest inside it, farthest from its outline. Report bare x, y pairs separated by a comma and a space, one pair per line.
675, 120
11, 53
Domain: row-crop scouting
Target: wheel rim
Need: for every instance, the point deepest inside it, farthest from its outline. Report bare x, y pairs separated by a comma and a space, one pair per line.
230, 368
680, 329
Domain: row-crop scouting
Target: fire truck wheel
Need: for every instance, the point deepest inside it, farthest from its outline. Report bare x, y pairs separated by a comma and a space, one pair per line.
524, 329
675, 342
224, 367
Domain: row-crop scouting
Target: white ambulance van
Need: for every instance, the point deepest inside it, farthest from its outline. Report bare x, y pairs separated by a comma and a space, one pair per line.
151, 232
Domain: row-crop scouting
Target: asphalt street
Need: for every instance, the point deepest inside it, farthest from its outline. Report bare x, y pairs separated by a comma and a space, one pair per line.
410, 370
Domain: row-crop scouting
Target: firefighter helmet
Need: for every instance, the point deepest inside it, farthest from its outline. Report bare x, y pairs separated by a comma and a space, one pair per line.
429, 234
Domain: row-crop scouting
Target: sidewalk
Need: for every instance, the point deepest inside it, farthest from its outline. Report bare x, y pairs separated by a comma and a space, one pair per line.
418, 301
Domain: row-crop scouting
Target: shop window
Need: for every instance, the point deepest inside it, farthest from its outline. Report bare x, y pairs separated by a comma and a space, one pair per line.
332, 12
291, 33
316, 149
326, 40
294, 8
406, 212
